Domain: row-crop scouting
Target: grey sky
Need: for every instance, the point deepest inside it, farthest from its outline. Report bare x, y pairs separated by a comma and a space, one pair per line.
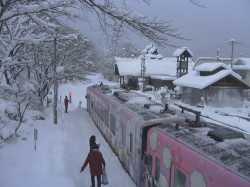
208, 28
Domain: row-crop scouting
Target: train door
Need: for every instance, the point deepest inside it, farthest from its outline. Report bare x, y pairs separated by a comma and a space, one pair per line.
144, 139
147, 175
147, 159
159, 175
179, 177
155, 177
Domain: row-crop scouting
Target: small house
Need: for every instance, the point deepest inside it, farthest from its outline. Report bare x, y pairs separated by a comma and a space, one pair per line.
159, 71
212, 84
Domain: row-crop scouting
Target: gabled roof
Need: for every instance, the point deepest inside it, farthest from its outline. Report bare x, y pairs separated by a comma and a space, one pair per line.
181, 50
194, 80
163, 68
210, 66
132, 67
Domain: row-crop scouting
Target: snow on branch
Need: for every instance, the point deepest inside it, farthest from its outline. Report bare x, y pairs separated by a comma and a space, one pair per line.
13, 9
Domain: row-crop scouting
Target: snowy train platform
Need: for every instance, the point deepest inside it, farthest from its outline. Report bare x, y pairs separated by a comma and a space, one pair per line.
61, 150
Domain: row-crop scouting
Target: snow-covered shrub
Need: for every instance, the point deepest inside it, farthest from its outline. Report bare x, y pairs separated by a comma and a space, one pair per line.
38, 117
11, 113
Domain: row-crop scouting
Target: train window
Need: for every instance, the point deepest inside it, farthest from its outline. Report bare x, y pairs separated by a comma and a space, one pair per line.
148, 162
162, 181
197, 179
153, 140
179, 178
123, 134
112, 123
131, 142
167, 157
158, 169
106, 117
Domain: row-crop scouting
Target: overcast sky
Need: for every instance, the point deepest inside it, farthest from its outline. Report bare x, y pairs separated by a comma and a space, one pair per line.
208, 28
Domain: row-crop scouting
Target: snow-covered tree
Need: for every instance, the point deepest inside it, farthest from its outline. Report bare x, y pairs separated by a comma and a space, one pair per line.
77, 56
23, 25
23, 22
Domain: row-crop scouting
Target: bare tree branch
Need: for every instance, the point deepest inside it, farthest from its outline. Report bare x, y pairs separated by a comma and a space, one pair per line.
153, 29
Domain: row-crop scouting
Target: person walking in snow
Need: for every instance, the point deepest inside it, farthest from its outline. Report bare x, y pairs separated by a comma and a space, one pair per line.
70, 97
96, 163
66, 104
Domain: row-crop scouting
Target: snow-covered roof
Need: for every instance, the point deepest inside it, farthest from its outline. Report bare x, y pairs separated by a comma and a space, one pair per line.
202, 60
181, 50
162, 77
194, 80
242, 64
210, 66
154, 56
164, 68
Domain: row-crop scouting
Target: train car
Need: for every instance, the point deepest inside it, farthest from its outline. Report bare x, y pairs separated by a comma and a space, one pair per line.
208, 156
123, 120
161, 148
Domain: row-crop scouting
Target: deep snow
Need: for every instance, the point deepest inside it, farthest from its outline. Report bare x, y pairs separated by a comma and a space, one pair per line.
61, 149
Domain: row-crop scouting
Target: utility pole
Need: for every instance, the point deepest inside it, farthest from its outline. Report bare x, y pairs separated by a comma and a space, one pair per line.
218, 54
143, 70
232, 43
55, 83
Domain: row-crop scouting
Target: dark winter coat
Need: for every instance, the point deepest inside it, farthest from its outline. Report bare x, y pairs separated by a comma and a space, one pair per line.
66, 101
95, 161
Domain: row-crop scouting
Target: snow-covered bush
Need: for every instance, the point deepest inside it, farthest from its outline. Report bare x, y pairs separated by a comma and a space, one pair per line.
11, 113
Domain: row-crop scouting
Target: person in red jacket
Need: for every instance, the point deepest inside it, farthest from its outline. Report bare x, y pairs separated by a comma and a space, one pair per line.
96, 163
66, 104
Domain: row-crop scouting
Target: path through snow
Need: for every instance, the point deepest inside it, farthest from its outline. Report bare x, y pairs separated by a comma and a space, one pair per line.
61, 150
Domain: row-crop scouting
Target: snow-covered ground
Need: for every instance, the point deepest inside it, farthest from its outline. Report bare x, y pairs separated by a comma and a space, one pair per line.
78, 89
61, 149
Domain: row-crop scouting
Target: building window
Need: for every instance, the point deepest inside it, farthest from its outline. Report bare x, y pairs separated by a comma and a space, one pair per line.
179, 178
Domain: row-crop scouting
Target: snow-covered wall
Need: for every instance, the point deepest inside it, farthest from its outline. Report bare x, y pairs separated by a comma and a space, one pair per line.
214, 96
224, 97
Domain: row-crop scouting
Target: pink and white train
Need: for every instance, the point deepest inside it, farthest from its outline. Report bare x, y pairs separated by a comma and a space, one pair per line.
163, 148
